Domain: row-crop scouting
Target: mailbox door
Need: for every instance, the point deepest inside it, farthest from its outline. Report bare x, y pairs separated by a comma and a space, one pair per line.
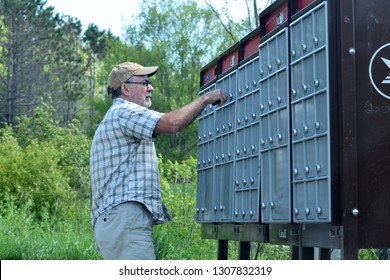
274, 132
310, 117
205, 171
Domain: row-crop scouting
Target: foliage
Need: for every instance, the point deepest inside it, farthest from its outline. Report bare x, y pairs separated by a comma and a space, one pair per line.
183, 172
41, 56
43, 164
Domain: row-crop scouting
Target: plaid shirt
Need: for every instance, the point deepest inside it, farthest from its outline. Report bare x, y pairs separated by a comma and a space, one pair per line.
123, 161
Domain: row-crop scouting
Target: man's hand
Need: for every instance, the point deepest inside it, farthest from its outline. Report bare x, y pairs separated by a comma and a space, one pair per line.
217, 97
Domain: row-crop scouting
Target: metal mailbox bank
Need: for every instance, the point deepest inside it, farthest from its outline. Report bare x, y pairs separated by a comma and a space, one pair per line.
300, 153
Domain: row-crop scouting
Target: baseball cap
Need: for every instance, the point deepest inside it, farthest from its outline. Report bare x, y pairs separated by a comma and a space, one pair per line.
123, 71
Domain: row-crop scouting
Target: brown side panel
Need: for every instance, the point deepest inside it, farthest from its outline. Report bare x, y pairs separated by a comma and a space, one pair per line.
372, 39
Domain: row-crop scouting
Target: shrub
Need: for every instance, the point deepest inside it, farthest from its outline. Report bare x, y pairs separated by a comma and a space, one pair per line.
45, 164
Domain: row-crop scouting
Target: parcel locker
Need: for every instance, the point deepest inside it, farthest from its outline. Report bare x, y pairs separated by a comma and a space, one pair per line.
301, 152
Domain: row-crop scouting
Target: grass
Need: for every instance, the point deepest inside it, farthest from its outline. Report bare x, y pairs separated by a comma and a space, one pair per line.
24, 238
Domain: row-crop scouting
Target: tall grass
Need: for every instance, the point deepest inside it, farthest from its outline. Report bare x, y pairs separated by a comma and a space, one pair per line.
23, 237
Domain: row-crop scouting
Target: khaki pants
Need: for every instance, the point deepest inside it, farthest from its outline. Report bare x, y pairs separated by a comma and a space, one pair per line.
125, 233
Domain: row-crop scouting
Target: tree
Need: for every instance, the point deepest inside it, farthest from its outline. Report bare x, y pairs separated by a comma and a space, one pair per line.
180, 38
40, 56
236, 31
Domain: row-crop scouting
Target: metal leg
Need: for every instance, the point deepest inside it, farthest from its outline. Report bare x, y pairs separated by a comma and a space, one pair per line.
302, 253
223, 247
244, 251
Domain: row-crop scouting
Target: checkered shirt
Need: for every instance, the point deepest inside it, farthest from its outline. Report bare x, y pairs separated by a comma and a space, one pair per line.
123, 161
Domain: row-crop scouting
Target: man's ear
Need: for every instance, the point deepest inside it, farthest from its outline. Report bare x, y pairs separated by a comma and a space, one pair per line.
124, 89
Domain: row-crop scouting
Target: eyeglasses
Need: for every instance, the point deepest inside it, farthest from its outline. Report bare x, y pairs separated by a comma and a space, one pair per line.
145, 83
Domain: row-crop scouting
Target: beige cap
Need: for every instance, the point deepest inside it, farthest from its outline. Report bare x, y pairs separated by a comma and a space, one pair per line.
123, 71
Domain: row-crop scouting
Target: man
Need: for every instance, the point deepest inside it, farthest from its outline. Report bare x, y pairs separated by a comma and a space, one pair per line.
126, 196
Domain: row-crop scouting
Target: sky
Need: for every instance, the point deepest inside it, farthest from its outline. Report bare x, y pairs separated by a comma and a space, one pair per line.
114, 14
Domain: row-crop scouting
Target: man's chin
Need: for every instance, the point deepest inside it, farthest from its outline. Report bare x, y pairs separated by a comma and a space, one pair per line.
148, 103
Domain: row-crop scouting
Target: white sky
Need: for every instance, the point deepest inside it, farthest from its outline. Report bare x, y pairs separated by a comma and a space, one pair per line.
114, 14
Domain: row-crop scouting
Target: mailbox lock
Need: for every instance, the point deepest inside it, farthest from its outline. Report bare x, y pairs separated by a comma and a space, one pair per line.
263, 205
304, 87
252, 181
304, 47
215, 208
295, 132
223, 156
278, 62
221, 207
269, 103
317, 125
247, 87
243, 213
293, 53
352, 51
319, 210
253, 147
318, 166
197, 210
315, 41
235, 213
355, 212
261, 107
251, 213
253, 115
307, 211
294, 92
272, 205
254, 83
246, 118
316, 83
296, 211
279, 99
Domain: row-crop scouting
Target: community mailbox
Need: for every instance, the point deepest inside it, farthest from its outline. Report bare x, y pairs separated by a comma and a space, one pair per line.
300, 153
